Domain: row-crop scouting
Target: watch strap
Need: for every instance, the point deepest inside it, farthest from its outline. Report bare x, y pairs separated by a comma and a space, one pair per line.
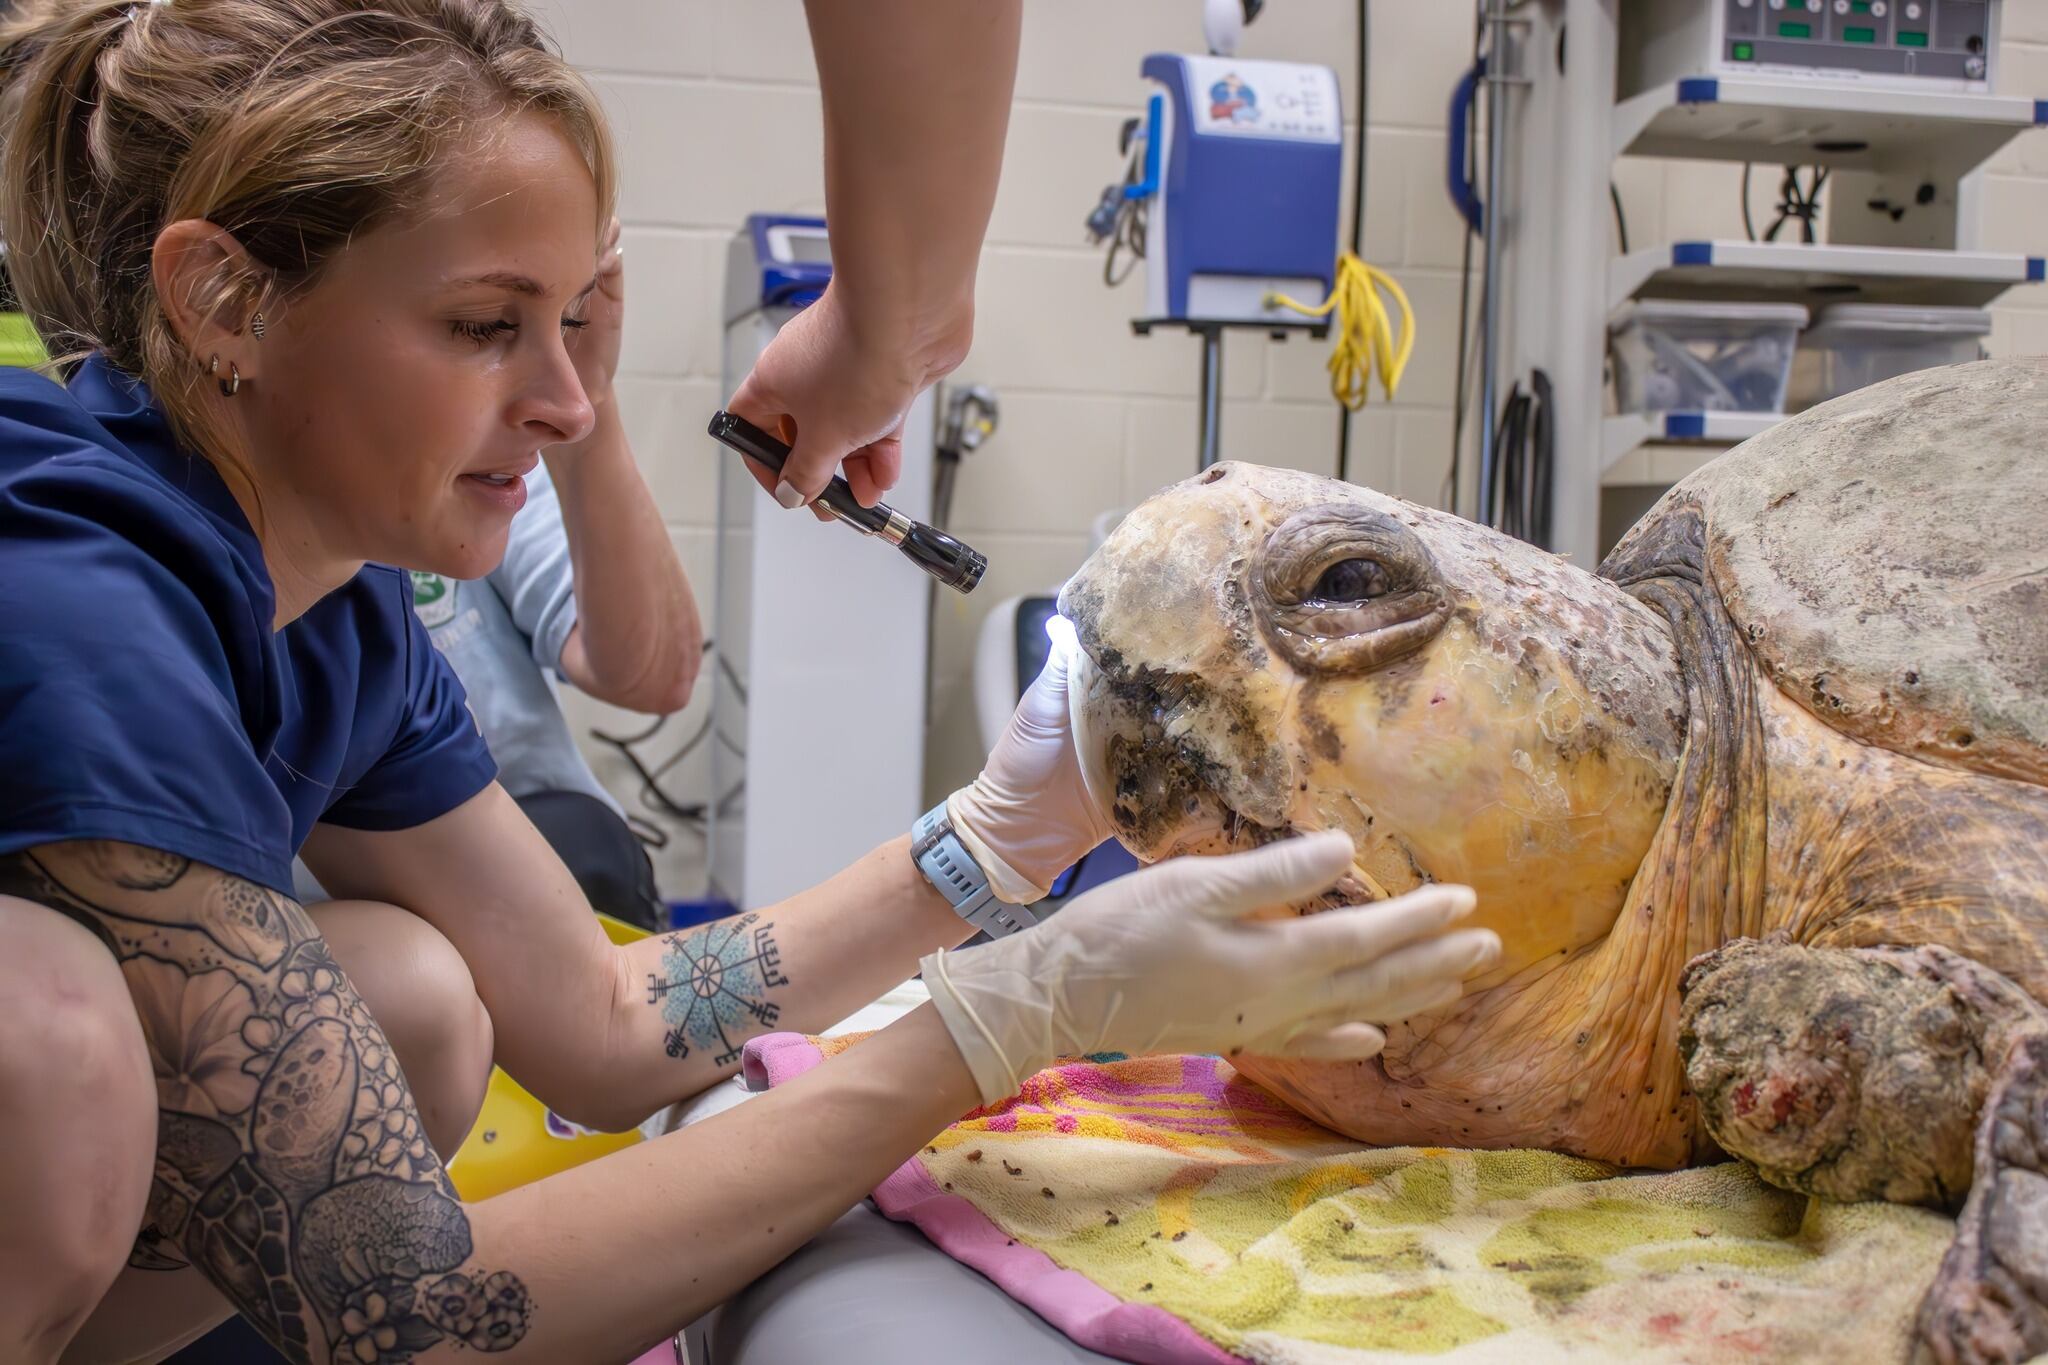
947, 865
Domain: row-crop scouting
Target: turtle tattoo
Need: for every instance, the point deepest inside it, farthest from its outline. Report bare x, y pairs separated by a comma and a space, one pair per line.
1759, 809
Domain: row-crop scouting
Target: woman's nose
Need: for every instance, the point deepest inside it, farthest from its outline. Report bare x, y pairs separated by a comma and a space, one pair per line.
554, 405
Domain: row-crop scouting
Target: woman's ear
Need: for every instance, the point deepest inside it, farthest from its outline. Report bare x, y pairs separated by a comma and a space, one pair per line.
209, 287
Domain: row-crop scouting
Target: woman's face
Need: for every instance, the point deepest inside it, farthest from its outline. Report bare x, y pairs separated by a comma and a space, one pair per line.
403, 396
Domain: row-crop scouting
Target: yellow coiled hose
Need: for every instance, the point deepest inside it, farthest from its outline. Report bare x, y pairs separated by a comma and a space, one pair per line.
1366, 339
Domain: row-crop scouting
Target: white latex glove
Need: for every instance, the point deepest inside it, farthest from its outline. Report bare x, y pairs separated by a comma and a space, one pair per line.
1028, 817
1164, 960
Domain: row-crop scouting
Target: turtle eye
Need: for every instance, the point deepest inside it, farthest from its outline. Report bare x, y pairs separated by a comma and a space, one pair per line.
1341, 587
1349, 581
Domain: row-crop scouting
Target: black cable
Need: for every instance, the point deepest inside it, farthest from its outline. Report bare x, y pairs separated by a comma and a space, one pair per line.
1129, 237
732, 675
1542, 459
652, 725
689, 746
1506, 513
1748, 224
1620, 218
1357, 207
646, 831
1491, 496
620, 741
652, 795
1798, 203
1461, 398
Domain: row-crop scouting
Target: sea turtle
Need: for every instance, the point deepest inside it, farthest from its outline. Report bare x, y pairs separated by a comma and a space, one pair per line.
1759, 809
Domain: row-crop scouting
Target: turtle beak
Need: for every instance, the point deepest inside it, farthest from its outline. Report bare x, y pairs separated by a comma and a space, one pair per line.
1171, 710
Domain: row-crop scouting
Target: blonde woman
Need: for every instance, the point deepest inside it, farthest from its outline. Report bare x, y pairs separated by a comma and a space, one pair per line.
318, 262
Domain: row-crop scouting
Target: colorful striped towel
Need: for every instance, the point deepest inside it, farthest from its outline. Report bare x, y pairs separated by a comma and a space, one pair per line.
1166, 1210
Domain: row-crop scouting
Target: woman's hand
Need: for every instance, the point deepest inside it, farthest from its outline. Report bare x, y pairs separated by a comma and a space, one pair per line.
1166, 960
838, 394
1029, 817
594, 346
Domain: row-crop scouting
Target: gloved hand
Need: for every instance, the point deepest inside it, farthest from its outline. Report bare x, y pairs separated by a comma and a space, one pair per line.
1028, 817
1164, 961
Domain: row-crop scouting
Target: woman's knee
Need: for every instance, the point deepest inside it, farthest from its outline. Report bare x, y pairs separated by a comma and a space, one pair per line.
420, 992
77, 1127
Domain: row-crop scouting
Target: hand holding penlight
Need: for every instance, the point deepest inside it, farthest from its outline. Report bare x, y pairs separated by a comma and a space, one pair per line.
956, 565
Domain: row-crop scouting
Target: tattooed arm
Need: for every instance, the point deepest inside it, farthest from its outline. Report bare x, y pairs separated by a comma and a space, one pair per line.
608, 1035
291, 1166
292, 1170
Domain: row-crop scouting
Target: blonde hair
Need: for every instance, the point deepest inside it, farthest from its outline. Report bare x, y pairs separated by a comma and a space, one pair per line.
293, 124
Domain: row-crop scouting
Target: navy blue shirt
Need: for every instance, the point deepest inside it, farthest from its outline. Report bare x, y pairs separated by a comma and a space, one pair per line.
144, 696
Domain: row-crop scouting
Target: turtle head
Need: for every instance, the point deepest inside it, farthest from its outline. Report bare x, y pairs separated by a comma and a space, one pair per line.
1270, 652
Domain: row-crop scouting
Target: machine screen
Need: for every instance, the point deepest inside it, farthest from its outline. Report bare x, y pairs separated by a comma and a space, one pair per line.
802, 246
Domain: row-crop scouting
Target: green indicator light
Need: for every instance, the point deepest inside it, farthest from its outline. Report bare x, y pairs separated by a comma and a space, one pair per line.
1910, 38
1745, 52
1860, 6
1859, 35
1789, 29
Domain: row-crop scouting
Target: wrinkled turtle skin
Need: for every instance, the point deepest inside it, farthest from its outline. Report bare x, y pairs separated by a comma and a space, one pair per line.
1759, 809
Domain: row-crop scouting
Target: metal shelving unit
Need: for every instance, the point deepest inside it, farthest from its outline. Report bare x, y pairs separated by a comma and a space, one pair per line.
1819, 274
1562, 281
1818, 123
1626, 431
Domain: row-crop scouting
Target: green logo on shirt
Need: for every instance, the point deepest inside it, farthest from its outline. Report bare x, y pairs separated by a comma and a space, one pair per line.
433, 597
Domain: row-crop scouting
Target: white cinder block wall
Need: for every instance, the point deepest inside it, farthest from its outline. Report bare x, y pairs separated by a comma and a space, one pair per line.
716, 111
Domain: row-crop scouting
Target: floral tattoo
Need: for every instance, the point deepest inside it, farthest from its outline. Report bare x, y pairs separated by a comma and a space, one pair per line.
291, 1167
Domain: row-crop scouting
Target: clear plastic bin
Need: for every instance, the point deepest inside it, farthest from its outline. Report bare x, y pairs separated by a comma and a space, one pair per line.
1673, 355
1852, 345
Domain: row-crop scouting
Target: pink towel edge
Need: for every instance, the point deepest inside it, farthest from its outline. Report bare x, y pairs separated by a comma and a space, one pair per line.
1086, 1312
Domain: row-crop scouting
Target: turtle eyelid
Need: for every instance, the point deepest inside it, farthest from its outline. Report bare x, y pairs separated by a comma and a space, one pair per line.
1310, 543
1346, 636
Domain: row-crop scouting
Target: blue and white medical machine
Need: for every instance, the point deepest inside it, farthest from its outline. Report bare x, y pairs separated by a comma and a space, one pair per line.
1230, 195
799, 611
1243, 164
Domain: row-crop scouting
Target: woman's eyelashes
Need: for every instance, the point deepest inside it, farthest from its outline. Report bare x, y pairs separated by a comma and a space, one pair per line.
483, 333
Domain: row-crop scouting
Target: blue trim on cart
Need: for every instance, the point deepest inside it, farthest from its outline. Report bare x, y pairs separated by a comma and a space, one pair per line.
1154, 116
1692, 253
1699, 90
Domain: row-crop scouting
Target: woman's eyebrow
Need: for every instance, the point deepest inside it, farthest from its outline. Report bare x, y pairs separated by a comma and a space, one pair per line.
501, 279
519, 284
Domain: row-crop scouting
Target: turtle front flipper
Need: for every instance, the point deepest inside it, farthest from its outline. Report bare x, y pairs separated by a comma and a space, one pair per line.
1911, 1075
1989, 1301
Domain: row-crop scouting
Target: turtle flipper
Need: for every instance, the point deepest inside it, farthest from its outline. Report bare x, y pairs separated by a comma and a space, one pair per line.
1989, 1302
1912, 1075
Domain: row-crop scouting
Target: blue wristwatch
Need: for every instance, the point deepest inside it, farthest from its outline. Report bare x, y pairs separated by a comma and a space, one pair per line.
948, 865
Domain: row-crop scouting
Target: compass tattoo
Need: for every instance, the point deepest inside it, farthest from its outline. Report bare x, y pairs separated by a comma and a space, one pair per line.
714, 983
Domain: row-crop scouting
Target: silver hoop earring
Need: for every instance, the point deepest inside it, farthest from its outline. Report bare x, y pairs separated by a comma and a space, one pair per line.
232, 385
257, 327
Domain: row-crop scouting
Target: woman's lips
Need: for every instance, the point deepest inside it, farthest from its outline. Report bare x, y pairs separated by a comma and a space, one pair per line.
505, 492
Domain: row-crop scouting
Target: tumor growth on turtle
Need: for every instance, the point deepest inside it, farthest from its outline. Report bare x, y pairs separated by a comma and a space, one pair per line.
1759, 809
